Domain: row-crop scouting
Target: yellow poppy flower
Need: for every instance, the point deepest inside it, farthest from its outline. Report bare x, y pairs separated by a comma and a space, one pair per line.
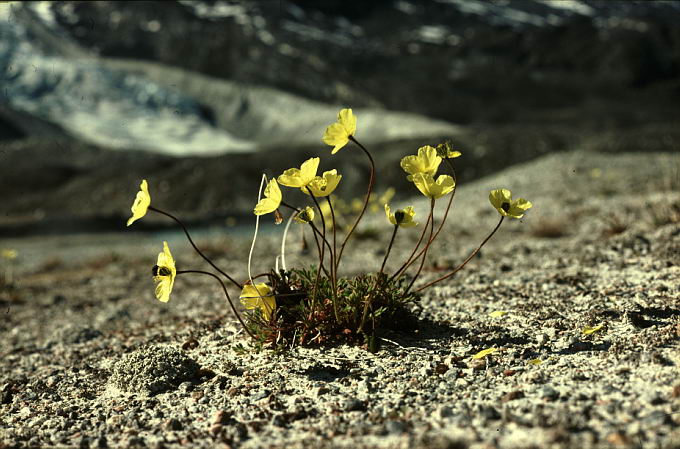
305, 215
427, 162
300, 177
9, 254
272, 199
445, 151
258, 296
324, 185
141, 203
337, 134
402, 217
164, 273
497, 313
431, 188
501, 199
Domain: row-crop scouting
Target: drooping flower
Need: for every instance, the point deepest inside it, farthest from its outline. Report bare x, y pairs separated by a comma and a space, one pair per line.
324, 185
402, 217
164, 273
300, 177
337, 135
427, 162
445, 151
272, 199
501, 199
258, 296
431, 188
141, 203
305, 215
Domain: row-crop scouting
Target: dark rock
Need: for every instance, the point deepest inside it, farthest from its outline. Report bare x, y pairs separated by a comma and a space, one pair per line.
550, 393
395, 427
512, 395
352, 405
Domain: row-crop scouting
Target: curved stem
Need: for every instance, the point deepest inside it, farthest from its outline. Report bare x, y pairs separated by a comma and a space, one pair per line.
424, 252
411, 260
186, 232
378, 278
226, 293
371, 180
334, 265
283, 241
459, 267
321, 257
389, 248
316, 230
415, 249
257, 228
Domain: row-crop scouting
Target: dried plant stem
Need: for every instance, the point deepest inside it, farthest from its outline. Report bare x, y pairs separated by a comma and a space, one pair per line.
226, 293
427, 246
186, 232
465, 262
371, 180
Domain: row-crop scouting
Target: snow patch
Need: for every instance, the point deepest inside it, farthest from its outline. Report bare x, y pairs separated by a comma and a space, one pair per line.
573, 6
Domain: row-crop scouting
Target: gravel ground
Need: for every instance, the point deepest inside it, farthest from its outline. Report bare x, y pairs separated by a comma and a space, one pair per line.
90, 359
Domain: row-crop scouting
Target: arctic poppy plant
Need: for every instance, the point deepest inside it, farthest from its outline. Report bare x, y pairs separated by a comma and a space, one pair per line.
501, 200
300, 177
141, 203
337, 135
258, 296
164, 273
272, 199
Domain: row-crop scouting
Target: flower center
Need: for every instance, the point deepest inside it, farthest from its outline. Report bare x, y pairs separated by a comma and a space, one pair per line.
399, 216
505, 206
160, 271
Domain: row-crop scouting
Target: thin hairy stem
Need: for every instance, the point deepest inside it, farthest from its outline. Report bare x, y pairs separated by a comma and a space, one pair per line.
446, 214
283, 241
415, 249
257, 228
371, 180
321, 258
334, 265
316, 232
226, 293
389, 248
424, 252
459, 267
200, 253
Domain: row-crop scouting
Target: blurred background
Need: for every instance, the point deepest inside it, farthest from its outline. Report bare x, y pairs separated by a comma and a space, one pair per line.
201, 97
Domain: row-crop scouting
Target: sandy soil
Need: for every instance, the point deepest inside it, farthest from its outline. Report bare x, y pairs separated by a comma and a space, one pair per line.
91, 359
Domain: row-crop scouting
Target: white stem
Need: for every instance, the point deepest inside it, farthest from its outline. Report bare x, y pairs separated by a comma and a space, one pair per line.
257, 228
283, 242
